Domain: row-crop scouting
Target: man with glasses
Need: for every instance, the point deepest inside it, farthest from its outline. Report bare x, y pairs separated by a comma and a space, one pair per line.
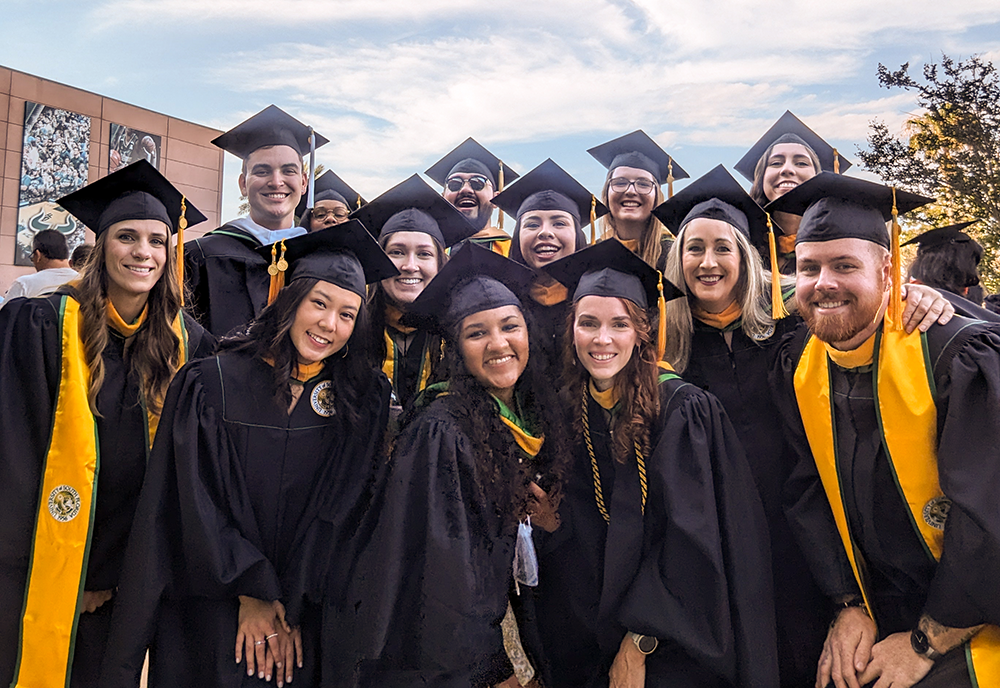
471, 177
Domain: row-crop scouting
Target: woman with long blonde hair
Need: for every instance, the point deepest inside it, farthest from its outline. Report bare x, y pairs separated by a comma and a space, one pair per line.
84, 374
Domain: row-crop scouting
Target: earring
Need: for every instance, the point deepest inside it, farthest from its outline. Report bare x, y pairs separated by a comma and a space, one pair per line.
344, 355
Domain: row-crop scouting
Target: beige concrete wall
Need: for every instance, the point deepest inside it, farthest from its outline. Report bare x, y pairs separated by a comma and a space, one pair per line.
187, 157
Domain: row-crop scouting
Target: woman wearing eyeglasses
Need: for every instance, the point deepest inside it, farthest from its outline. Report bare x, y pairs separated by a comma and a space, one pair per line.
637, 167
330, 209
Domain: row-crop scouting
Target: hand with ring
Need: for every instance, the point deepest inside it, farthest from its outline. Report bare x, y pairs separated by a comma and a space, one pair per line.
257, 632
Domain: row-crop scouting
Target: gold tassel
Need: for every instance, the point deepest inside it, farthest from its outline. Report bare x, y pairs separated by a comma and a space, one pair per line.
277, 272
895, 310
593, 217
836, 161
358, 202
182, 224
778, 310
670, 177
661, 329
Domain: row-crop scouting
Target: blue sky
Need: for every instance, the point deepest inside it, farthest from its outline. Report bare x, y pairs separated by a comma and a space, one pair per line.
396, 84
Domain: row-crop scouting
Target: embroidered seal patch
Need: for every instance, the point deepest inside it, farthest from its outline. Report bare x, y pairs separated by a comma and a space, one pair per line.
765, 335
64, 503
936, 512
322, 398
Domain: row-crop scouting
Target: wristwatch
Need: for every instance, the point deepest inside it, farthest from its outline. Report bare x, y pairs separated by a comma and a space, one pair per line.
646, 644
922, 646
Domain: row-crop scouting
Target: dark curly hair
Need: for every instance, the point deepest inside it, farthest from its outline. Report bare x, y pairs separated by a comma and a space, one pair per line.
268, 337
635, 385
504, 474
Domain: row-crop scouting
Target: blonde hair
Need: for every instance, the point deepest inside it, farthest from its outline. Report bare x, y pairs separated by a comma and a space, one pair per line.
652, 235
753, 294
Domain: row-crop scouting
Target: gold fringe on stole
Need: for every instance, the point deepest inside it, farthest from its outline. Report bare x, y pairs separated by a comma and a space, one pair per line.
778, 310
895, 310
670, 177
182, 224
62, 527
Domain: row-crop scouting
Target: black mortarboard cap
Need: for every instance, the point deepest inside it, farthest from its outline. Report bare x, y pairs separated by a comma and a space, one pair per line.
272, 126
413, 206
344, 255
791, 129
717, 196
942, 236
550, 187
640, 151
833, 206
471, 157
330, 187
609, 269
137, 192
474, 279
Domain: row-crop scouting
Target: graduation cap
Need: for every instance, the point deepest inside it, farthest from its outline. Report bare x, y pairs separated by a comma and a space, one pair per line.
943, 236
413, 206
345, 255
475, 279
136, 192
330, 187
471, 157
640, 151
790, 129
610, 269
272, 126
836, 207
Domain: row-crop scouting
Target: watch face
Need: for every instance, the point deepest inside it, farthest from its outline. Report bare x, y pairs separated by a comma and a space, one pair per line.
647, 644
919, 642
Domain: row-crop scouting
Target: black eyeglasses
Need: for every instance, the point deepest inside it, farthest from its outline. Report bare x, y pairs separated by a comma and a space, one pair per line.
642, 186
477, 183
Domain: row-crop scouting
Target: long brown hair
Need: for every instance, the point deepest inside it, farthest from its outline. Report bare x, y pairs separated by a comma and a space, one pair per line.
154, 352
635, 386
757, 188
652, 235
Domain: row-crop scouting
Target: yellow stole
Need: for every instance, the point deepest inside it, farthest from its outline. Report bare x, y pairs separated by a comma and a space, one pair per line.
550, 293
907, 416
494, 239
529, 444
63, 525
719, 321
389, 366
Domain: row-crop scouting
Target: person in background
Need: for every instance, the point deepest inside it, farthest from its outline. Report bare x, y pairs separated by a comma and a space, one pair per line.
788, 154
50, 256
471, 176
332, 204
226, 277
637, 169
80, 256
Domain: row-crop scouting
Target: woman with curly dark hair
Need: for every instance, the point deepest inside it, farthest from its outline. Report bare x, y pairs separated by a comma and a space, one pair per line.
658, 575
84, 372
283, 424
430, 589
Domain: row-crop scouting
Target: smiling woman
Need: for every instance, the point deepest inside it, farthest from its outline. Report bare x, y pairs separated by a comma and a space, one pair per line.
430, 587
279, 428
84, 373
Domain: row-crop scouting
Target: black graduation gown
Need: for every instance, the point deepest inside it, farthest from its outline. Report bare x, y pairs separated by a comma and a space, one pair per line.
30, 357
960, 590
429, 590
233, 487
408, 364
738, 376
694, 571
227, 279
547, 328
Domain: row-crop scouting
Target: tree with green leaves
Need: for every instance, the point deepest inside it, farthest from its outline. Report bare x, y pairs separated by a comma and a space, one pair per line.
950, 150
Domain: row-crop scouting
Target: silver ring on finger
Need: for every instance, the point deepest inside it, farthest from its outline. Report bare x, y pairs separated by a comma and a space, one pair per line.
273, 635
259, 642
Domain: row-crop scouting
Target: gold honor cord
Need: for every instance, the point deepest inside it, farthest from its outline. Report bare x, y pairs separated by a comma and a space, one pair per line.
62, 526
907, 416
598, 490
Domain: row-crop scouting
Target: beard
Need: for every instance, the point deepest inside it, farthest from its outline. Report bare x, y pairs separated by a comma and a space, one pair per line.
482, 215
860, 313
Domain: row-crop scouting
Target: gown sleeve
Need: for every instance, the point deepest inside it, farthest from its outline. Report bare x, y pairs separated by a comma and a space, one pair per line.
427, 585
962, 592
704, 579
194, 534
